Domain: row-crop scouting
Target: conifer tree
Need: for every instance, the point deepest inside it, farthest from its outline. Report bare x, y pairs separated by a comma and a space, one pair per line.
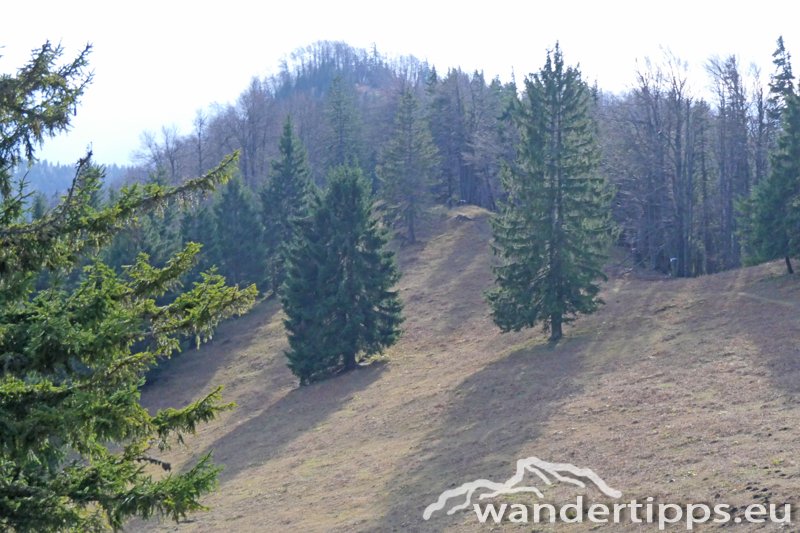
74, 438
39, 206
198, 225
284, 201
338, 298
408, 164
447, 121
238, 233
552, 231
343, 144
155, 233
773, 230
781, 83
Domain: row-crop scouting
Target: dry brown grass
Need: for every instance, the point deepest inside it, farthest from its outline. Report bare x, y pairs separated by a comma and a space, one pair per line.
684, 390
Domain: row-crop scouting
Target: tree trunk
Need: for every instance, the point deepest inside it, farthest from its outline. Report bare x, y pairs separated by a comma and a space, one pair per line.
350, 362
412, 234
555, 327
789, 265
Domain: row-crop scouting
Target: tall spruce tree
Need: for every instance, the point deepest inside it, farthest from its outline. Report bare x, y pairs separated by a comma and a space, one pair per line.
408, 164
773, 230
781, 83
343, 143
552, 232
74, 438
338, 296
284, 201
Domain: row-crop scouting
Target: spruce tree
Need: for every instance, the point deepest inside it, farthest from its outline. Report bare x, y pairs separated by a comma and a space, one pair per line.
343, 143
39, 206
773, 230
284, 201
781, 83
156, 234
551, 233
74, 438
236, 249
198, 225
408, 165
338, 298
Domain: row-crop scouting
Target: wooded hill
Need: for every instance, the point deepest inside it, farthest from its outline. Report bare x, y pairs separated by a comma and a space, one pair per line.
680, 162
99, 289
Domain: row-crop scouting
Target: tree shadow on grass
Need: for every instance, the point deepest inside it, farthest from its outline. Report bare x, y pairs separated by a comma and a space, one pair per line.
190, 374
763, 308
265, 435
473, 442
457, 271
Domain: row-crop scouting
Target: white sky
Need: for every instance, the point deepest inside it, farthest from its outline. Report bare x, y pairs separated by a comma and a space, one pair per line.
157, 62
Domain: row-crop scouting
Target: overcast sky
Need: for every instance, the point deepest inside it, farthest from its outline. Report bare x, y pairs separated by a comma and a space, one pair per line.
157, 62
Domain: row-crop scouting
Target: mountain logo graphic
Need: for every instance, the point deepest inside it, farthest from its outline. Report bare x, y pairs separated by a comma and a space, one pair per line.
461, 497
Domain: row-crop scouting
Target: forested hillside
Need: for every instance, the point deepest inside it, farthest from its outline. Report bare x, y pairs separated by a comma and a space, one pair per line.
396, 231
681, 159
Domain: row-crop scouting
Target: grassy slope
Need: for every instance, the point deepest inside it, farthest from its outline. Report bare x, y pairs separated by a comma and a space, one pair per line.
684, 390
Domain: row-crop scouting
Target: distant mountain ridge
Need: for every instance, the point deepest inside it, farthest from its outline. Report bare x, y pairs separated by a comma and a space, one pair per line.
53, 179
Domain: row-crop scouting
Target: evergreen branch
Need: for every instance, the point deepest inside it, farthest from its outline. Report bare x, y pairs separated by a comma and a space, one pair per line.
185, 420
133, 199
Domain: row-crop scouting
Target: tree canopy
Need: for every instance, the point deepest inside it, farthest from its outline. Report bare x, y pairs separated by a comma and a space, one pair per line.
552, 232
338, 297
75, 441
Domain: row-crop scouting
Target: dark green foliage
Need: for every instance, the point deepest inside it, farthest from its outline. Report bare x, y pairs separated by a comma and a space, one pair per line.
448, 130
773, 212
338, 296
37, 102
552, 233
199, 225
237, 237
464, 114
38, 207
155, 233
284, 200
781, 82
408, 164
74, 438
